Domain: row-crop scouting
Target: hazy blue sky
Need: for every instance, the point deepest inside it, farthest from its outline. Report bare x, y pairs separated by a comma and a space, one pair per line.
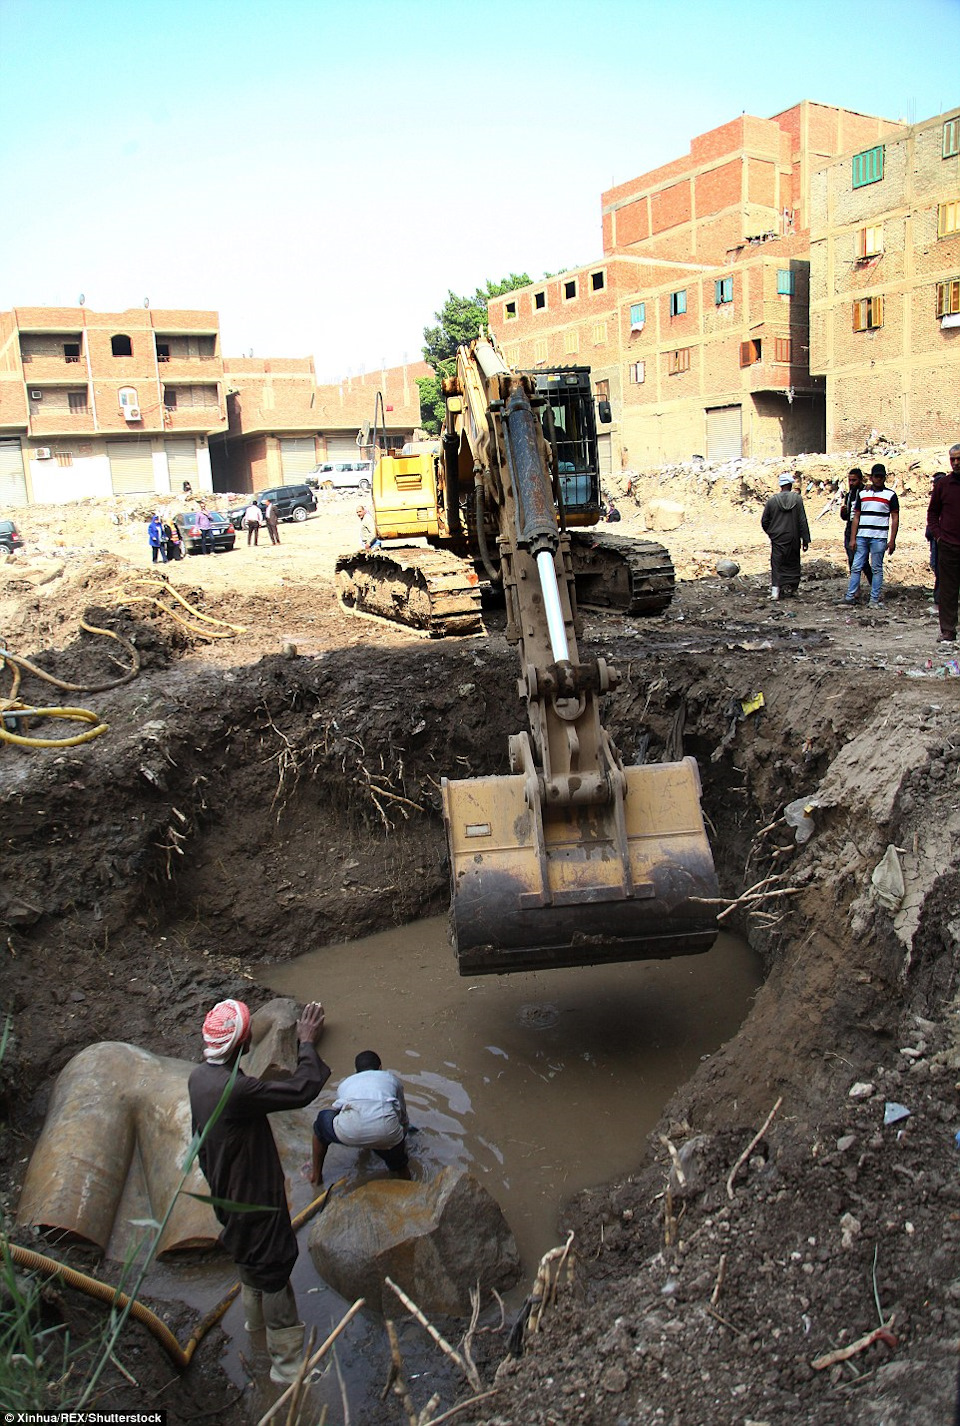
321, 172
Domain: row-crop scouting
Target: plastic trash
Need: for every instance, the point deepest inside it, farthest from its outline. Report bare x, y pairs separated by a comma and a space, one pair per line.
798, 814
751, 705
887, 879
893, 1112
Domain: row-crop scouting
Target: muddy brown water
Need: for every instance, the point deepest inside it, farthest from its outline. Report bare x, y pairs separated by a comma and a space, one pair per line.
540, 1084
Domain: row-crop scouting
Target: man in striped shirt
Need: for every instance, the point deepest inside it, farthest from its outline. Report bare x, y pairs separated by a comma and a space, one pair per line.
873, 530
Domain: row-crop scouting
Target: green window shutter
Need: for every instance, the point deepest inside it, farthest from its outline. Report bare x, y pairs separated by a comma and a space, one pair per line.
868, 166
785, 282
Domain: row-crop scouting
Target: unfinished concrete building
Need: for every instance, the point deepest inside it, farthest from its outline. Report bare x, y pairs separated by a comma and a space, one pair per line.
885, 288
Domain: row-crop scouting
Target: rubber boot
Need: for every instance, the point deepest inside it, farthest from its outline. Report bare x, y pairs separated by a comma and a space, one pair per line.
285, 1345
252, 1301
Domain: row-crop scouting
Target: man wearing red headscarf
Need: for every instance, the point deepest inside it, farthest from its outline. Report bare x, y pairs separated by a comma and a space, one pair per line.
240, 1163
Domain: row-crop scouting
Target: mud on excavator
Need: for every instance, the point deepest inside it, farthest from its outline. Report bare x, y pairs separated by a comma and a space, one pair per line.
572, 859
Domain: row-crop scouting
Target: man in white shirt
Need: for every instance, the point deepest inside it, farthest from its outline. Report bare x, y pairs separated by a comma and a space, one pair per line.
253, 519
369, 1112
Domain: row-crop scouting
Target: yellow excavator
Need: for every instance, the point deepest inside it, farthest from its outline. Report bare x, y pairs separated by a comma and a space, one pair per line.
573, 858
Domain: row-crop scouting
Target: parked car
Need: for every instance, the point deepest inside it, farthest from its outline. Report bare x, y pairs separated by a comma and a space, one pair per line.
224, 534
343, 475
293, 502
10, 537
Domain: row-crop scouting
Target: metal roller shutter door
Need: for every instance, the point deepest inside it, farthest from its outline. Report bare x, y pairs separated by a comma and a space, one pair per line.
298, 456
181, 462
13, 485
343, 448
131, 468
724, 433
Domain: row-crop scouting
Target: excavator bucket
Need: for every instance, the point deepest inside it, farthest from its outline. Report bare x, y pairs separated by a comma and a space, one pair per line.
536, 887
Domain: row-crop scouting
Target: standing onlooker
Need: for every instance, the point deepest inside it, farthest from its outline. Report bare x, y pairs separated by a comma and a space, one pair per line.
272, 520
847, 506
943, 522
784, 520
158, 540
369, 538
873, 528
240, 1162
252, 520
205, 526
172, 536
934, 547
369, 1112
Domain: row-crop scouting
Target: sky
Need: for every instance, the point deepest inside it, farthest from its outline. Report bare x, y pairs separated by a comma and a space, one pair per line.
323, 172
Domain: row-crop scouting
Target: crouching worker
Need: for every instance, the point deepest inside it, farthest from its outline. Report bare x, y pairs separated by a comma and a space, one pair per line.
369, 1112
240, 1162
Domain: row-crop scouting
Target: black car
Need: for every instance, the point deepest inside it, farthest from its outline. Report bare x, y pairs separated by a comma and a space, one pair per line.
10, 537
293, 502
223, 532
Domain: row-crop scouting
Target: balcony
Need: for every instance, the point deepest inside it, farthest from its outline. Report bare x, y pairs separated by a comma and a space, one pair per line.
207, 419
60, 422
38, 368
189, 368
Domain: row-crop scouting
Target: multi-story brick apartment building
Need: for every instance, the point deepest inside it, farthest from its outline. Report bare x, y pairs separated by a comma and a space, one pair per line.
885, 287
101, 403
282, 424
695, 319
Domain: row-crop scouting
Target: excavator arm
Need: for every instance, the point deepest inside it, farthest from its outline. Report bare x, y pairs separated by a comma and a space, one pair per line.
572, 859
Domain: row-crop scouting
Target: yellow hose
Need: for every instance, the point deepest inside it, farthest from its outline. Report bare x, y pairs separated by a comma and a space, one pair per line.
180, 1356
80, 715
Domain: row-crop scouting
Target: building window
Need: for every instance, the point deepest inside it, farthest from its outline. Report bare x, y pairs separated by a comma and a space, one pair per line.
163, 351
951, 137
638, 372
750, 352
599, 334
870, 241
782, 349
170, 398
948, 219
77, 400
540, 350
868, 166
598, 281
539, 301
786, 282
513, 355
948, 297
571, 342
64, 457
510, 311
570, 290
867, 314
638, 316
71, 351
678, 361
723, 290
121, 346
678, 303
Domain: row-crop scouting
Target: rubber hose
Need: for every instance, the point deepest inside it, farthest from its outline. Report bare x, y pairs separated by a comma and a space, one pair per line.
80, 715
180, 1356
24, 664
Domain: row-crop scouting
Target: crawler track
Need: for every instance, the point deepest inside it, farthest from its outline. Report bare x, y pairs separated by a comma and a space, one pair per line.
423, 588
620, 574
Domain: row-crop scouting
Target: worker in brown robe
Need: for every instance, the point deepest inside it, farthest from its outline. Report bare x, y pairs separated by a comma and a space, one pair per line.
784, 521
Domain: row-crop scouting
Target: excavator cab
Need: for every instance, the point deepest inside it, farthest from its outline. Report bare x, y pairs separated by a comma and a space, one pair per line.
569, 425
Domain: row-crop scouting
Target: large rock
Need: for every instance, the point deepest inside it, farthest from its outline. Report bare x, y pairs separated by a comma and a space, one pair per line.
434, 1239
663, 515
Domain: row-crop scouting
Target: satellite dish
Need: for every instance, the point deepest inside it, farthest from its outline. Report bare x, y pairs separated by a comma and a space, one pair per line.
146, 302
82, 299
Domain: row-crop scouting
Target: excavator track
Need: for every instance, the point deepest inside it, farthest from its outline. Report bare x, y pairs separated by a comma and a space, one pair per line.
423, 588
619, 574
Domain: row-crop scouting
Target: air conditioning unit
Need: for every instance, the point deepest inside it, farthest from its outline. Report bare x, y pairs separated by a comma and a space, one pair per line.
43, 453
36, 395
131, 413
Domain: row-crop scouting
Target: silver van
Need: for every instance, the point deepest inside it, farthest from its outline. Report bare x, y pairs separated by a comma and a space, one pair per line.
342, 475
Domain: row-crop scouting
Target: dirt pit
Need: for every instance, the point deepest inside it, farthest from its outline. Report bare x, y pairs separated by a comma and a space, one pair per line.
248, 804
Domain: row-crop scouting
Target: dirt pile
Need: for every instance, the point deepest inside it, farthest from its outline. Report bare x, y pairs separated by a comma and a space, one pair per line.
245, 805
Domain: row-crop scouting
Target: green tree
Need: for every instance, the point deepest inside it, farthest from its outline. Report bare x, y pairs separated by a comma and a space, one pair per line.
459, 320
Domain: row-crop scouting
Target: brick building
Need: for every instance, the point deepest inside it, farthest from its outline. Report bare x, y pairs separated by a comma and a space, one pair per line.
695, 319
885, 288
282, 424
101, 403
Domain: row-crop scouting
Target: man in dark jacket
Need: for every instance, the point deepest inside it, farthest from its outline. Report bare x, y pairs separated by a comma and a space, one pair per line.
943, 522
240, 1163
785, 522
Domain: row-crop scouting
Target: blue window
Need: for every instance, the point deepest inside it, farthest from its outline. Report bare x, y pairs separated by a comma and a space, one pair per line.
868, 166
678, 302
786, 282
638, 314
723, 290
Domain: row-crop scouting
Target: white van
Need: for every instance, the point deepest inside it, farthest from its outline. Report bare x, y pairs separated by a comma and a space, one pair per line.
342, 475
